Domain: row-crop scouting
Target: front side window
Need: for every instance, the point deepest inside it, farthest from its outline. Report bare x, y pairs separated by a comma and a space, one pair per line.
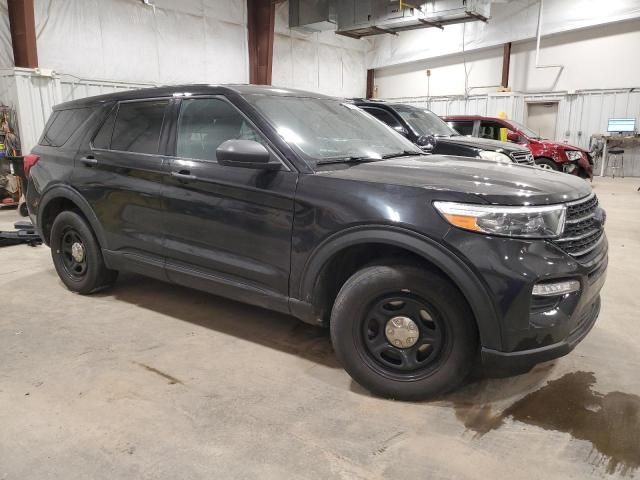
138, 126
424, 122
322, 129
205, 123
491, 130
462, 127
62, 124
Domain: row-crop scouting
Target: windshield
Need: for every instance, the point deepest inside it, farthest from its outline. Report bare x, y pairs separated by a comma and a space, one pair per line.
424, 122
326, 129
526, 130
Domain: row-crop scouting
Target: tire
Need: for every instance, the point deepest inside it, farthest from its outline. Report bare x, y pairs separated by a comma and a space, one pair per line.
547, 164
90, 273
447, 341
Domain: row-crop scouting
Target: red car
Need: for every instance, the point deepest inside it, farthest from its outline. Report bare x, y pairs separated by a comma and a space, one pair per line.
547, 153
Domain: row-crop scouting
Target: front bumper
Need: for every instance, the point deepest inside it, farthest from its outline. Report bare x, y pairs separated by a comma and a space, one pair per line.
532, 331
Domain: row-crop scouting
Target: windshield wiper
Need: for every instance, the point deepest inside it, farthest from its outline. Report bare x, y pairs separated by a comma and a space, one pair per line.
348, 160
365, 159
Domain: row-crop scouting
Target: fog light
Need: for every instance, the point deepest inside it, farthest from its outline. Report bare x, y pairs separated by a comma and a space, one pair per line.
556, 288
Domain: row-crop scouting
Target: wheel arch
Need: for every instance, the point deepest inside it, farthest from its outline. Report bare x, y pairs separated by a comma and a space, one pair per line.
64, 197
414, 244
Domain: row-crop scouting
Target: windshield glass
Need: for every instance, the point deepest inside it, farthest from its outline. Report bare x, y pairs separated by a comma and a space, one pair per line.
526, 130
424, 122
322, 129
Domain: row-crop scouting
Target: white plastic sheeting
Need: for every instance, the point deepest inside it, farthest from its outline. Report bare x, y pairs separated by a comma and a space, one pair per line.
321, 61
6, 51
511, 21
174, 42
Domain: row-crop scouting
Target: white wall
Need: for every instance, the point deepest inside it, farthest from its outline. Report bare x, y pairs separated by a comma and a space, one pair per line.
602, 57
321, 62
6, 51
184, 41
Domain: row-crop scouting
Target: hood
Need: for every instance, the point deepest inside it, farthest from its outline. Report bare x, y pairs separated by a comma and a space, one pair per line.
481, 143
490, 182
558, 145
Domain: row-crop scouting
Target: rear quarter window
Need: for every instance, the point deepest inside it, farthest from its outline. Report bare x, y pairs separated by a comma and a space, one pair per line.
62, 124
462, 127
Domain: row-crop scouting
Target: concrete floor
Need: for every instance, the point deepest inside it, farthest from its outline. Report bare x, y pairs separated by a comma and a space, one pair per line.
149, 380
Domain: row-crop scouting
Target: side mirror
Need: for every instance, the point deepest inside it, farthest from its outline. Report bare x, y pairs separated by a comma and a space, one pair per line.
245, 154
427, 142
401, 130
513, 137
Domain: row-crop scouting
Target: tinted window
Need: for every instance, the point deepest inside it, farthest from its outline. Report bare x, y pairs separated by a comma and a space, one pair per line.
491, 130
103, 138
463, 128
207, 122
383, 116
138, 126
62, 124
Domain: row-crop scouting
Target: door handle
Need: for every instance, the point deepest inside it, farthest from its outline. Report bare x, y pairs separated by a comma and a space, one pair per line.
184, 176
89, 160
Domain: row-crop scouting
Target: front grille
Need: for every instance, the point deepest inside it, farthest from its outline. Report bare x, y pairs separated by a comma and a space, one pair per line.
522, 158
583, 232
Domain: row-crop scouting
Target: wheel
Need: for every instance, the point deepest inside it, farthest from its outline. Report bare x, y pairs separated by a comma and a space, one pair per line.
402, 332
546, 164
77, 256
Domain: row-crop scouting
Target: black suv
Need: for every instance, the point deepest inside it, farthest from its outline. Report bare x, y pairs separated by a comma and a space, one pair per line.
304, 204
432, 134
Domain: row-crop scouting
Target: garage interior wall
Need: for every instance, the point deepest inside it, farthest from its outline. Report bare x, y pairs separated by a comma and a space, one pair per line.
188, 41
318, 61
6, 50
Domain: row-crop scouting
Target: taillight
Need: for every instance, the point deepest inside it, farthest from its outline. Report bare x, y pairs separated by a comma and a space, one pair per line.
28, 162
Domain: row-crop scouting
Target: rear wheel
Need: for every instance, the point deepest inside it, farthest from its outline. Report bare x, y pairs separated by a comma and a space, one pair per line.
547, 164
77, 256
402, 332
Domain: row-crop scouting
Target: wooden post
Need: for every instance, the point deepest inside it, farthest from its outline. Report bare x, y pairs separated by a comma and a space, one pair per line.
370, 84
22, 24
260, 23
506, 62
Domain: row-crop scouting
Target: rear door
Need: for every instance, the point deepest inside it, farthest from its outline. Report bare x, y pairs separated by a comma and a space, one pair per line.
228, 229
121, 174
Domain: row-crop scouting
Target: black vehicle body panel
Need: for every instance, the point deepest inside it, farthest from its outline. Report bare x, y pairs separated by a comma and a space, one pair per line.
264, 237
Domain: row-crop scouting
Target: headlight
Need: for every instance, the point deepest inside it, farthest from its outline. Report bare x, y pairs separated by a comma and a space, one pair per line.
494, 156
526, 222
573, 155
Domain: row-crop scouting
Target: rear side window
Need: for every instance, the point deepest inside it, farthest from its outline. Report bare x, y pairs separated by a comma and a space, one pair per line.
137, 126
463, 128
491, 130
62, 124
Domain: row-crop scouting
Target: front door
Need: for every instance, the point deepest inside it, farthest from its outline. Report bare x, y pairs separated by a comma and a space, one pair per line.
228, 229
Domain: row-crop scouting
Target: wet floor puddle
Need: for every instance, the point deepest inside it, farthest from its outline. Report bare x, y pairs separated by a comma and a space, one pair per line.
610, 422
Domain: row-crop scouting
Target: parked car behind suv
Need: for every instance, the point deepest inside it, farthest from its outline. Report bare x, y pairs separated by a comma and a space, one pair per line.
305, 204
431, 133
547, 154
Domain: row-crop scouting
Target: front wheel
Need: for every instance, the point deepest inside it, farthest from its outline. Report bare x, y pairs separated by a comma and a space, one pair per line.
547, 164
402, 332
77, 255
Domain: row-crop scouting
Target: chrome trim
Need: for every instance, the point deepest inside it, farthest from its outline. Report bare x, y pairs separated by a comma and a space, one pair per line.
587, 250
579, 237
581, 219
582, 200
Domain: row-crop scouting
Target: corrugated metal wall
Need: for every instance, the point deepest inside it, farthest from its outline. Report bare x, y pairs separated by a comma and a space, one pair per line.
580, 115
33, 96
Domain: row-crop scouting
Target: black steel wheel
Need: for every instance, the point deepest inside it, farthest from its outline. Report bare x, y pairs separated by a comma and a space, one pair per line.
77, 255
403, 332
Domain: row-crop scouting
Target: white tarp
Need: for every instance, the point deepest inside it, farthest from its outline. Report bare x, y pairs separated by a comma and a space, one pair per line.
184, 41
320, 61
6, 51
511, 21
